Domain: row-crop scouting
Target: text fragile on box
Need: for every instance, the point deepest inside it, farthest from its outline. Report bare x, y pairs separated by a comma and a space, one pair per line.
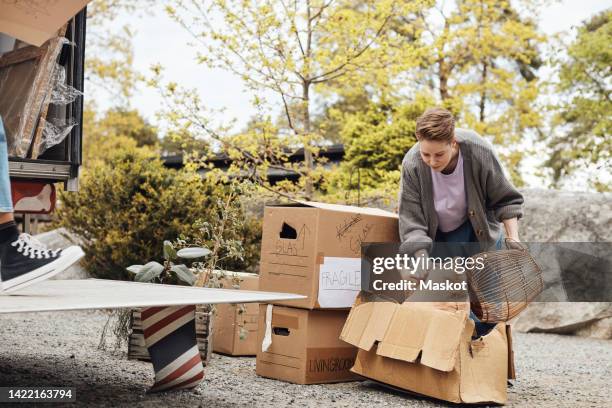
314, 249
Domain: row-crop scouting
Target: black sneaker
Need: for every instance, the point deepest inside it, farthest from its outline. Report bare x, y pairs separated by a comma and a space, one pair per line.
26, 261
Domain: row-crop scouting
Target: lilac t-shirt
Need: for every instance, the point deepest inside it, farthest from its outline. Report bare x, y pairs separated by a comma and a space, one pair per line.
450, 200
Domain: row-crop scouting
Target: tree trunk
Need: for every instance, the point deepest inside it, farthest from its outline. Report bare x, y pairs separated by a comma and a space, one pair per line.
483, 91
443, 67
443, 76
308, 159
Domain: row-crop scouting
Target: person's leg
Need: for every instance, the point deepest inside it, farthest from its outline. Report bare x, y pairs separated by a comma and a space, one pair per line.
8, 228
459, 242
481, 327
463, 242
23, 260
6, 202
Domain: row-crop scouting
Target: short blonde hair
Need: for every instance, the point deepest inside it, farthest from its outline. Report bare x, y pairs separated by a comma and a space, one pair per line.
436, 124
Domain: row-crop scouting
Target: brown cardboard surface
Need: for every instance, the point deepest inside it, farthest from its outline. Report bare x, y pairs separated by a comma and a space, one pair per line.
484, 367
36, 21
305, 346
367, 324
228, 321
427, 332
298, 238
329, 364
427, 349
288, 262
408, 376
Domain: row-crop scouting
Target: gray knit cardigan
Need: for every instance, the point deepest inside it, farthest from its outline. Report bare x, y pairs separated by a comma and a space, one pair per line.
491, 197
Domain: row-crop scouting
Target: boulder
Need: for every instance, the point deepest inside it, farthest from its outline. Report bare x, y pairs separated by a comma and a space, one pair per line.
589, 319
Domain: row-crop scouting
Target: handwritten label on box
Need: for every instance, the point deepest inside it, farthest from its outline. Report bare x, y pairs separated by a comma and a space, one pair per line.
339, 281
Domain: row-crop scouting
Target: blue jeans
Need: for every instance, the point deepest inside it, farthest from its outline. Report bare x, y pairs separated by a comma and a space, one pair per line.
463, 242
6, 202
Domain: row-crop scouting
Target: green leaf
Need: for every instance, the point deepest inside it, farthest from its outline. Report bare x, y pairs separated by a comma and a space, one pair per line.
191, 253
169, 251
149, 272
183, 273
134, 268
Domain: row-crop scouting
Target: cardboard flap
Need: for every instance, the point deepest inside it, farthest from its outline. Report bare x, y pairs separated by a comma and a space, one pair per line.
484, 366
417, 329
36, 21
338, 207
350, 209
367, 323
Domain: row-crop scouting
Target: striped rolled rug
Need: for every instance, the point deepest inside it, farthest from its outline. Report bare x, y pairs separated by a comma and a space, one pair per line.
170, 337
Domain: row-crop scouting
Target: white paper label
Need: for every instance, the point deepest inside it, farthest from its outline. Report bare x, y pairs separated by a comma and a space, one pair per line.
267, 340
339, 281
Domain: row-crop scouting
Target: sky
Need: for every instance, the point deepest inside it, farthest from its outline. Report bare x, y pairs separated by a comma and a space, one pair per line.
159, 40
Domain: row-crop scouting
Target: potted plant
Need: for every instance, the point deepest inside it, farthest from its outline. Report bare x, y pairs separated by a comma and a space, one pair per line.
171, 272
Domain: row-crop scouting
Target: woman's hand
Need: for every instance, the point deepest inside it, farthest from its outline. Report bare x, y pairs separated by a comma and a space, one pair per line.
421, 272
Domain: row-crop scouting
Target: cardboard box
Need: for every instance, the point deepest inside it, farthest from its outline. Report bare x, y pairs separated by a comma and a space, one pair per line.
230, 319
428, 350
305, 347
314, 249
36, 21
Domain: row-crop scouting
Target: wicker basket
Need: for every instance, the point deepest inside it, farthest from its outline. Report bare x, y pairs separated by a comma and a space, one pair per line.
509, 281
203, 322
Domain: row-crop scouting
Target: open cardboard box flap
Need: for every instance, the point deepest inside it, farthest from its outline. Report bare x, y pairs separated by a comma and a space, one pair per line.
338, 207
431, 334
406, 332
367, 324
426, 348
36, 21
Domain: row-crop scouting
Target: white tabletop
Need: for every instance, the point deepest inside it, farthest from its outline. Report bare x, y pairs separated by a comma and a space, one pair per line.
53, 295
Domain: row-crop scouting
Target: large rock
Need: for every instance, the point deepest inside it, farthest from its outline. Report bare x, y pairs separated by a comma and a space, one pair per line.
591, 319
559, 216
564, 216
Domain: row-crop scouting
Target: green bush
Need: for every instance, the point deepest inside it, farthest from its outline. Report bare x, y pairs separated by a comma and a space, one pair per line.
130, 204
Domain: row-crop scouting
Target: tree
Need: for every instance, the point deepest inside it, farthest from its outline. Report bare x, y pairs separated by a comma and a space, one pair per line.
584, 110
375, 143
177, 141
110, 53
481, 58
116, 128
330, 121
289, 48
110, 75
129, 122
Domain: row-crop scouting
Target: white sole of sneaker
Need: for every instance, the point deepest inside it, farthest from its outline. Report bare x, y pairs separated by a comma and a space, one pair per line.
68, 257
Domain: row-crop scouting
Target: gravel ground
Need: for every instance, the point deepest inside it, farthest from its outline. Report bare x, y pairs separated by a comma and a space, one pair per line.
60, 349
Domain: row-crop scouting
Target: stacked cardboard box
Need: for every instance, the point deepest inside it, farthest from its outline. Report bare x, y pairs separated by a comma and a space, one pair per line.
427, 348
235, 330
313, 249
305, 347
